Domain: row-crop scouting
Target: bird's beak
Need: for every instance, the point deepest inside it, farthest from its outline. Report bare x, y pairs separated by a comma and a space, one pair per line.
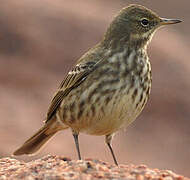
165, 21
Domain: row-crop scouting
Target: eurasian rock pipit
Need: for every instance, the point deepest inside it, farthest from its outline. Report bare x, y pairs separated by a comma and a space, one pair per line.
109, 85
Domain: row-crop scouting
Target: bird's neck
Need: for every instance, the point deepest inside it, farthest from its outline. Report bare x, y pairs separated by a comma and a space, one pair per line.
127, 42
125, 47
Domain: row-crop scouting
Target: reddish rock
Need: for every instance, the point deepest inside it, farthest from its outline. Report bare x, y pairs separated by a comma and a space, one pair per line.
57, 167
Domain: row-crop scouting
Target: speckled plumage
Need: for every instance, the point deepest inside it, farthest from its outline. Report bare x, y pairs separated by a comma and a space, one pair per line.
109, 85
121, 94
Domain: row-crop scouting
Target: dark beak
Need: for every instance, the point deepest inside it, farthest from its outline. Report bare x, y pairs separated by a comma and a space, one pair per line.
165, 21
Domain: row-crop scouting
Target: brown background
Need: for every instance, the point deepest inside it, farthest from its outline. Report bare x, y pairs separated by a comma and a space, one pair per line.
39, 42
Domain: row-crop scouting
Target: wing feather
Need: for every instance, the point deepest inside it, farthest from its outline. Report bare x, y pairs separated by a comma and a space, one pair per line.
73, 79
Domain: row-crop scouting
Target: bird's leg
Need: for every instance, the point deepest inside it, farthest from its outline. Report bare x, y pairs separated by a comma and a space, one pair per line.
108, 142
75, 135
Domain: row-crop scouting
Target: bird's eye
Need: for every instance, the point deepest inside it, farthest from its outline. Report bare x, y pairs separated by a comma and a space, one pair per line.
145, 22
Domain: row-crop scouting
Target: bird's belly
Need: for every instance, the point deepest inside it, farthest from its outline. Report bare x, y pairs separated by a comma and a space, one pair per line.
105, 119
117, 116
114, 119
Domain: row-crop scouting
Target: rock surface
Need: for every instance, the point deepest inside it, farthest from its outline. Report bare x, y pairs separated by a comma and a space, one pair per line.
58, 167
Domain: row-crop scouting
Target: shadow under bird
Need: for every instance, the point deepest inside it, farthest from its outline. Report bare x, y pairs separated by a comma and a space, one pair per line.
109, 85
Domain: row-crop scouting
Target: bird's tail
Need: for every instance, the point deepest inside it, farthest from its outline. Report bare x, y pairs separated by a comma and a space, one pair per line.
33, 144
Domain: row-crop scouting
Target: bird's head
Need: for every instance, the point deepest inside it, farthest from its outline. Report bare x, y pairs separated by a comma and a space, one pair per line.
135, 24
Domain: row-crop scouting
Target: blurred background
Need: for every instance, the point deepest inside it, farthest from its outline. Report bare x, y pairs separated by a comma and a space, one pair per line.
41, 40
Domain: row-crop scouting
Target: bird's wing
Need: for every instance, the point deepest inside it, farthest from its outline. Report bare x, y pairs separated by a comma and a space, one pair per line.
73, 79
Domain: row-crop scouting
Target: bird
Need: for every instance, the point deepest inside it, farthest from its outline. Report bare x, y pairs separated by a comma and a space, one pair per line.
108, 86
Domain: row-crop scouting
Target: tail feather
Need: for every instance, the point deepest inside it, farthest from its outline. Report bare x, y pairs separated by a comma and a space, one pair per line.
33, 144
